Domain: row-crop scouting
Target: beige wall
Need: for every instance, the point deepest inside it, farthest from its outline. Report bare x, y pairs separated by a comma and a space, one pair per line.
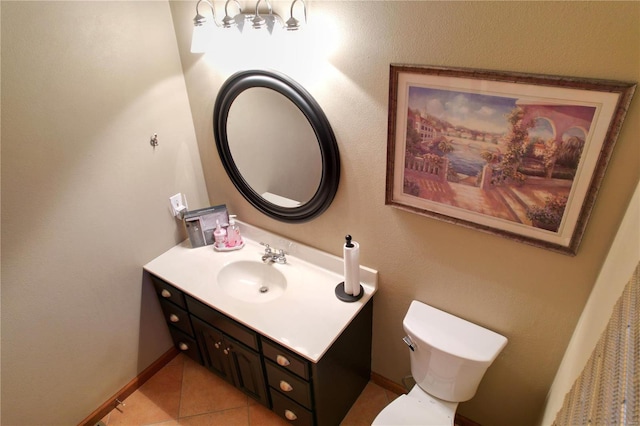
618, 268
85, 198
532, 296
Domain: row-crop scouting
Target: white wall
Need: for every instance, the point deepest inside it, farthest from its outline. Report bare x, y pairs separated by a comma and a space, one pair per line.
85, 198
531, 295
614, 276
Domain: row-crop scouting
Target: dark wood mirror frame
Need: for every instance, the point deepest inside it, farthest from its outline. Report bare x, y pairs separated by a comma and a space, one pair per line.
284, 85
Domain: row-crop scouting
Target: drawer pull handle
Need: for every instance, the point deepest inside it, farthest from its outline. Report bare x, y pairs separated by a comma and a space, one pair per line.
290, 415
286, 387
165, 293
183, 346
282, 360
174, 318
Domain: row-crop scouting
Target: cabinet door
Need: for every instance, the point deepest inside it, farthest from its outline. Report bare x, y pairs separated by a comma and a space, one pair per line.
215, 350
248, 372
231, 360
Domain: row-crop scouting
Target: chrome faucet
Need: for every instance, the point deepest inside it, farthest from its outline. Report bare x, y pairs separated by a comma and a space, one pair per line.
272, 255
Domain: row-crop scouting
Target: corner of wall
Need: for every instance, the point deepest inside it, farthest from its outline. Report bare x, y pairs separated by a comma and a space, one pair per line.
619, 265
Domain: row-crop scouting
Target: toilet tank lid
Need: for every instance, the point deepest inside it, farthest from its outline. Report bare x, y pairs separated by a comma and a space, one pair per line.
452, 334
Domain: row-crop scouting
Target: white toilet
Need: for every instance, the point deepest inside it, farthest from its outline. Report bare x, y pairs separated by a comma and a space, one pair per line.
449, 356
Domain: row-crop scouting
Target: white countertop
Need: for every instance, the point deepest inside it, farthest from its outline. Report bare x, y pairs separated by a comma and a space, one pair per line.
306, 318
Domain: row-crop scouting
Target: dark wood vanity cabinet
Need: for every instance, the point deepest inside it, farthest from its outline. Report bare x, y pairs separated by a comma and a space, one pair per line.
214, 340
231, 360
303, 392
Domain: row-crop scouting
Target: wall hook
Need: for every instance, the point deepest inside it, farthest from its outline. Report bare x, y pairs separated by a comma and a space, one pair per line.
154, 140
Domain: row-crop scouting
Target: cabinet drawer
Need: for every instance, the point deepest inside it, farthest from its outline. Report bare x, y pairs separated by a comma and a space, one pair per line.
176, 317
295, 413
168, 292
223, 323
289, 384
186, 344
286, 359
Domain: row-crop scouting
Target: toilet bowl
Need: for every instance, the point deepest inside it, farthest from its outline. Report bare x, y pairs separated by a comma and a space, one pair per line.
417, 408
449, 357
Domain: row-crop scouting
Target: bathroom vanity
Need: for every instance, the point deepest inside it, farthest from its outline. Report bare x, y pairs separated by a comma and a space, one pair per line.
295, 348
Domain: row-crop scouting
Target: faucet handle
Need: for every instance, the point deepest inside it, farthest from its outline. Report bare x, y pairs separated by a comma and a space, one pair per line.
281, 256
267, 248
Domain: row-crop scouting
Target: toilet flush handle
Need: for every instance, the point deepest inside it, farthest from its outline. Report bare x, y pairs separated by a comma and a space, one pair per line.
409, 342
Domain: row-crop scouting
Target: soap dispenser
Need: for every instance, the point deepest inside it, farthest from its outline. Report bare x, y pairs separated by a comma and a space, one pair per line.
219, 236
233, 233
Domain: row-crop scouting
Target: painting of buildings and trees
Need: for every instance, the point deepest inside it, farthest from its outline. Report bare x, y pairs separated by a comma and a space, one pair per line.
505, 157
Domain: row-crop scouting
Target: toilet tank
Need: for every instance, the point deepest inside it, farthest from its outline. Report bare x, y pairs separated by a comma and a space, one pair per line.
450, 354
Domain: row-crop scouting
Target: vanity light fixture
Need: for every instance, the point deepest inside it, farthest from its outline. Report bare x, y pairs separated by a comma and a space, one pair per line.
292, 23
204, 30
258, 22
270, 22
232, 22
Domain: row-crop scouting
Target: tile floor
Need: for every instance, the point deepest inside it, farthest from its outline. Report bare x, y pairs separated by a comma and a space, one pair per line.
185, 393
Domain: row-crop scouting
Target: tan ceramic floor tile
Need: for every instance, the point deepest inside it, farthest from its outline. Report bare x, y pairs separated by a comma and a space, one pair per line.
259, 415
184, 393
178, 360
204, 392
370, 402
167, 423
232, 417
155, 401
391, 396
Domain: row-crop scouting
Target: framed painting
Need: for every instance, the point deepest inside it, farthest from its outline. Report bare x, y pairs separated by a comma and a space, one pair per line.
518, 155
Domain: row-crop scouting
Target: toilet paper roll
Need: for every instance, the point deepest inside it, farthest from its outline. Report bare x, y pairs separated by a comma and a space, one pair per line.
352, 269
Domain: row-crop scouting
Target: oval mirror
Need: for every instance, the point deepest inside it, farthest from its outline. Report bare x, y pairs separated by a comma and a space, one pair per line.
276, 145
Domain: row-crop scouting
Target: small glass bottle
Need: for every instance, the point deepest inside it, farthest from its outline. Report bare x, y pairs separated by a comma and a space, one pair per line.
220, 236
233, 233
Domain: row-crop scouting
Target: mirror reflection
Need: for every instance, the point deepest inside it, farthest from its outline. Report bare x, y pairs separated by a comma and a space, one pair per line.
274, 147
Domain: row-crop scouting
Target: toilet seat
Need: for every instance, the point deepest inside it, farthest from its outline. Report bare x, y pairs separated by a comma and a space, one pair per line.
417, 409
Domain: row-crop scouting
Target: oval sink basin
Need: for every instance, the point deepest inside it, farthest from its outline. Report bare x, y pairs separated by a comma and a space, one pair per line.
250, 281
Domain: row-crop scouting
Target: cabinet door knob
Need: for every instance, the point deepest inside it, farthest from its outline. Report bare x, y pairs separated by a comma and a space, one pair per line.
286, 387
183, 346
165, 293
290, 415
227, 351
282, 360
174, 318
217, 345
